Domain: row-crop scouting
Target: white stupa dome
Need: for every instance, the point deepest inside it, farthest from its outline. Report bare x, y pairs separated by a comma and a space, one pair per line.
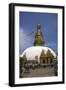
33, 51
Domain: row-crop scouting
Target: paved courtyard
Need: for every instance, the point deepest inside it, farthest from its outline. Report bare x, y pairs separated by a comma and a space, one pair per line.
39, 72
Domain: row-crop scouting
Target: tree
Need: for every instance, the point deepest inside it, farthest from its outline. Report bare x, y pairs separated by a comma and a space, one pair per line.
24, 57
23, 60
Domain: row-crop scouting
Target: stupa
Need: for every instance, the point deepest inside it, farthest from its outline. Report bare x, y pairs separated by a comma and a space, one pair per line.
39, 52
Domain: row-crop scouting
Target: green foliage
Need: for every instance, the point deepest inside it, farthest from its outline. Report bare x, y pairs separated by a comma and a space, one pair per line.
23, 60
24, 57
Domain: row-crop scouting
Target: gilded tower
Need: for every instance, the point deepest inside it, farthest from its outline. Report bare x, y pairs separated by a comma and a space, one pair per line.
38, 37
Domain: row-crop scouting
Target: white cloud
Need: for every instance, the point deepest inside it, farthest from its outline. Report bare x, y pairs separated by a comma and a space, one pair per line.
24, 39
21, 36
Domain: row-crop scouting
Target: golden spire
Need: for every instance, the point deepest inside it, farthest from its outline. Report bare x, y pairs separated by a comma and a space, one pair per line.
38, 37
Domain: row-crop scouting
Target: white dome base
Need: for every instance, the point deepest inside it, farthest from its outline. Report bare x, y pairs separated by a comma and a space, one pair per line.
34, 51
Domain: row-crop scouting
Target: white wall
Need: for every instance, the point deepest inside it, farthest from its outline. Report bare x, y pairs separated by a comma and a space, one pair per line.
4, 44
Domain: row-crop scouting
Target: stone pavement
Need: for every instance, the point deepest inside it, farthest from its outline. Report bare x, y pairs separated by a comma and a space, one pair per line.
39, 72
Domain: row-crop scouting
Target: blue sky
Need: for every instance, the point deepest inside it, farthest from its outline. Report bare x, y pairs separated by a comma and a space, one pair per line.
27, 28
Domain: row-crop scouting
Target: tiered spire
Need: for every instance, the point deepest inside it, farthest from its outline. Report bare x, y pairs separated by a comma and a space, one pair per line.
38, 37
